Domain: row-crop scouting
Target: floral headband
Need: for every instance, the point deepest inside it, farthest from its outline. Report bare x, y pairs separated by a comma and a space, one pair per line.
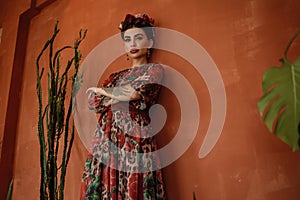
146, 20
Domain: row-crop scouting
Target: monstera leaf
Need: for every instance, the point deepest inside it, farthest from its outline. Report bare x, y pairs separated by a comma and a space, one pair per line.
280, 104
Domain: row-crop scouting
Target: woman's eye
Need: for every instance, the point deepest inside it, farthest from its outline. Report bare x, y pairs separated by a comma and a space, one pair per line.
127, 40
139, 38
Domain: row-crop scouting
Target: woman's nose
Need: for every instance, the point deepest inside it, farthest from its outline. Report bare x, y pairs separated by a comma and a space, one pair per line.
133, 43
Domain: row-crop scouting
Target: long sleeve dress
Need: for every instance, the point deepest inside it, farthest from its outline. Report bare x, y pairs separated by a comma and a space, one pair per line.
122, 163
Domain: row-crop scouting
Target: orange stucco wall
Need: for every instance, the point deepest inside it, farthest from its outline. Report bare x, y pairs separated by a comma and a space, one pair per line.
244, 38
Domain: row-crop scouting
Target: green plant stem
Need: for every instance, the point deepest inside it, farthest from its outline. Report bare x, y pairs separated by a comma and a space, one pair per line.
53, 115
67, 147
9, 193
289, 45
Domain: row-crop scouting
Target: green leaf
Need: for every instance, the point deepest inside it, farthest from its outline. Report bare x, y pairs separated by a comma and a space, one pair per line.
9, 193
281, 101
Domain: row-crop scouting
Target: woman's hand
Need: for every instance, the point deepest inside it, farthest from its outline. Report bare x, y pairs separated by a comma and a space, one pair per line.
121, 93
98, 91
142, 78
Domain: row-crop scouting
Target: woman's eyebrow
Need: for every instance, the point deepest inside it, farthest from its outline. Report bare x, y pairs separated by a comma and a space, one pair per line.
139, 34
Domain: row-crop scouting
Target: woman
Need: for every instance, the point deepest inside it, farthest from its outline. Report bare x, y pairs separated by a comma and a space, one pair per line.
122, 163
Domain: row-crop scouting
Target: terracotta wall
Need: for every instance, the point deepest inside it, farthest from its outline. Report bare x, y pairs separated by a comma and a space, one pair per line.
244, 38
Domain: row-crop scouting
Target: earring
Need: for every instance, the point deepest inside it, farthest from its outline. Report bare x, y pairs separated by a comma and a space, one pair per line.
127, 57
148, 53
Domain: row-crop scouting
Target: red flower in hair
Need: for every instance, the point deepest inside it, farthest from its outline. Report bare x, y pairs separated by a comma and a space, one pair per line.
132, 18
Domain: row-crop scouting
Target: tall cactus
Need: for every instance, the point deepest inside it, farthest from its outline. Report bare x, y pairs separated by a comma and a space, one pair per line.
55, 122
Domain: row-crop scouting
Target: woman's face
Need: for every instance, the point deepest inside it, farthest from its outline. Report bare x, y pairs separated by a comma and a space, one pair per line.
136, 42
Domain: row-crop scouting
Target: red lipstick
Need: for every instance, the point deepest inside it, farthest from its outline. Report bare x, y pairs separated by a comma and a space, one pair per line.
133, 51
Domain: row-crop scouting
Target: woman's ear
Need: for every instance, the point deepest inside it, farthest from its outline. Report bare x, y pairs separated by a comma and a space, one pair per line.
150, 43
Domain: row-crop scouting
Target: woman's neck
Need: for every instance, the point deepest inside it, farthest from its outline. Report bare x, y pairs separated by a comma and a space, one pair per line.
139, 61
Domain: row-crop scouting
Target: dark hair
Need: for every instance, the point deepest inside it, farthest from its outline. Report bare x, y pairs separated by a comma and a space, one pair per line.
139, 21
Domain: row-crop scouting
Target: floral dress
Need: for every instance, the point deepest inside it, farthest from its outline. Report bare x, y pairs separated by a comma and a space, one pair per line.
123, 164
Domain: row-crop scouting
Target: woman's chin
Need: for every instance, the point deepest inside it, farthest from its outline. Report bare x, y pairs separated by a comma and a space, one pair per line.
137, 56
